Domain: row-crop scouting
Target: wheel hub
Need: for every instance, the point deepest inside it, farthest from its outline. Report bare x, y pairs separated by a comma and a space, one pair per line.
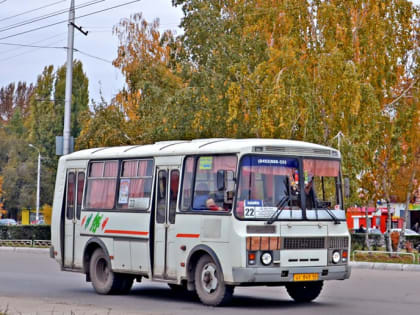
209, 278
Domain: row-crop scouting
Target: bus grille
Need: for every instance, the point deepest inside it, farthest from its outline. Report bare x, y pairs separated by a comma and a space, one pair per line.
304, 242
338, 242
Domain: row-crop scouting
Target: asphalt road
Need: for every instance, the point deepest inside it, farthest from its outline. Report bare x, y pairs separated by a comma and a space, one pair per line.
33, 284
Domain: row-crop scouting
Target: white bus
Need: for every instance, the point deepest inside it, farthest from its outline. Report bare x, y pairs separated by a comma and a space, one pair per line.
204, 215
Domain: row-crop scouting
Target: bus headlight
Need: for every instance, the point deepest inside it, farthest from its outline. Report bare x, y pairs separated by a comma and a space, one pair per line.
266, 258
336, 257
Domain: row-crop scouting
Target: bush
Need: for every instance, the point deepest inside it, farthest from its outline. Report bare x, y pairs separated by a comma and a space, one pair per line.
25, 232
414, 239
358, 241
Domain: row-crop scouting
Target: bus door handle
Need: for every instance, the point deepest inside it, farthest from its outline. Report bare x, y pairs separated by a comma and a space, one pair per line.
167, 225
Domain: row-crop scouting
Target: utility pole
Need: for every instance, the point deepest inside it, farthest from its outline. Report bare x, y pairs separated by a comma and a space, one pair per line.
69, 81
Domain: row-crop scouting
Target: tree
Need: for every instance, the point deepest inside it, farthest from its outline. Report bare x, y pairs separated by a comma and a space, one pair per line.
307, 70
105, 126
14, 97
80, 96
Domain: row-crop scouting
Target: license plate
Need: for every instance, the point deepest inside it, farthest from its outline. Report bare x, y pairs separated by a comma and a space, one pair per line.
305, 277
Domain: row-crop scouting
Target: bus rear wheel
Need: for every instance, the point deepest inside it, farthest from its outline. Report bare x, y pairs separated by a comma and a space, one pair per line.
304, 292
178, 288
104, 280
209, 283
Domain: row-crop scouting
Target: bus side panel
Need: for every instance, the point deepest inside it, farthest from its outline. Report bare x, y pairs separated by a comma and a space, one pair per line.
126, 235
212, 231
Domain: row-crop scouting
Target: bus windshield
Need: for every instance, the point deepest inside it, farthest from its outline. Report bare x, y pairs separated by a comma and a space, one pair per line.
322, 185
267, 183
264, 182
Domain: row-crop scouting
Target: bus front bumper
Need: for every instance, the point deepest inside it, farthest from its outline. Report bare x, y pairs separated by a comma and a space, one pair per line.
286, 274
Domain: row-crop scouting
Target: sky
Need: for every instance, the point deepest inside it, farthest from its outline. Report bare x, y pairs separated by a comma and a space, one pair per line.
26, 63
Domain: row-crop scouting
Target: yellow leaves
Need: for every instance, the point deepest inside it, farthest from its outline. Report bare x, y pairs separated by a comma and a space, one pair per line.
196, 123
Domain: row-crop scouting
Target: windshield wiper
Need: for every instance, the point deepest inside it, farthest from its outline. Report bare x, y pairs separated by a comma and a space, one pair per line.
280, 207
335, 219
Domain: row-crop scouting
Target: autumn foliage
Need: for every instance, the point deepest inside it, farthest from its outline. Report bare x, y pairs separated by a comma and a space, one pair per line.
338, 73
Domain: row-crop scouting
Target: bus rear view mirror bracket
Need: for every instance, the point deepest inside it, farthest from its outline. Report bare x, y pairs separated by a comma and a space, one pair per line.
221, 180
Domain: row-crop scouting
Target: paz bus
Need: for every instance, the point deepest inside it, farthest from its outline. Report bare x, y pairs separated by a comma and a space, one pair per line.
203, 215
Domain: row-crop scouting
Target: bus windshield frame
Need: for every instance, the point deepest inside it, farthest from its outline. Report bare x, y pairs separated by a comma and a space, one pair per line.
268, 183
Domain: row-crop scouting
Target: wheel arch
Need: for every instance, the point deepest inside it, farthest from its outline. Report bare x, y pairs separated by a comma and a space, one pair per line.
193, 257
91, 245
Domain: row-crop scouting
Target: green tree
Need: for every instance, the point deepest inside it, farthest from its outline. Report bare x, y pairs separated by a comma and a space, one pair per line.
80, 96
104, 126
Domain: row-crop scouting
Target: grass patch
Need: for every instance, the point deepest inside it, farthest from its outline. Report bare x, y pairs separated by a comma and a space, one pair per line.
5, 311
395, 258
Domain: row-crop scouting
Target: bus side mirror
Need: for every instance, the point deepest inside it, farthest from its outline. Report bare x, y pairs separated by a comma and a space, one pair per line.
221, 180
346, 187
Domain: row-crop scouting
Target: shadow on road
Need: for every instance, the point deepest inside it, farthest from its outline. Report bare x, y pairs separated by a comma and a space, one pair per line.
239, 301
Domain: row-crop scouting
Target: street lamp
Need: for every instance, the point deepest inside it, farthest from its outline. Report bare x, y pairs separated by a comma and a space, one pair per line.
38, 186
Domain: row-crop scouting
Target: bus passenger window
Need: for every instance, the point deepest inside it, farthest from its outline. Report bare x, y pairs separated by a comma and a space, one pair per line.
187, 184
80, 185
135, 184
101, 185
173, 195
71, 191
161, 197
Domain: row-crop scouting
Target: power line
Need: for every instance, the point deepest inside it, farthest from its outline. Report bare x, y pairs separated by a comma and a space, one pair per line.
47, 16
52, 47
33, 46
28, 52
92, 56
82, 16
33, 10
31, 43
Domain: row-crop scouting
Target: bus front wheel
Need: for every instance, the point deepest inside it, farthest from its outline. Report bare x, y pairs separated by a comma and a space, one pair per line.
104, 280
209, 283
304, 292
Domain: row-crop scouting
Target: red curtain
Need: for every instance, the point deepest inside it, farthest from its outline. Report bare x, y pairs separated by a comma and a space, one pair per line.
70, 187
321, 167
142, 168
96, 169
101, 193
111, 169
80, 185
129, 168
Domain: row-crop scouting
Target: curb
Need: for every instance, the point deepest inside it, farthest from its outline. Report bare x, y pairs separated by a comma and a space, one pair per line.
26, 250
385, 266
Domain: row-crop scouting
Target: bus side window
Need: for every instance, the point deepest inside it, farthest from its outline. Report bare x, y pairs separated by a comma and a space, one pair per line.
101, 185
187, 184
80, 185
161, 197
207, 195
173, 195
71, 191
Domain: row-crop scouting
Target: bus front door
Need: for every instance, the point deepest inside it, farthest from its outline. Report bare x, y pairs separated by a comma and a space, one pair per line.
167, 185
73, 206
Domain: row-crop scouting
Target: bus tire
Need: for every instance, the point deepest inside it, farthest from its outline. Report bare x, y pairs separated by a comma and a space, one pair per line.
177, 288
209, 283
104, 280
304, 292
126, 284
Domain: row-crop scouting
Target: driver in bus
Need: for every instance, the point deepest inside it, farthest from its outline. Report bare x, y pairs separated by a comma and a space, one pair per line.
211, 205
200, 197
310, 193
